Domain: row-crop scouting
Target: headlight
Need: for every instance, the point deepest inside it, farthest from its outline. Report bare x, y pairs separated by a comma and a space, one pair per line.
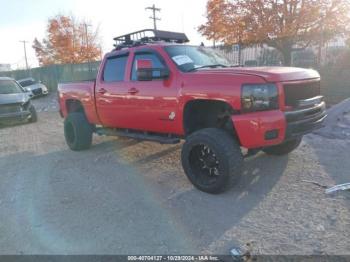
259, 97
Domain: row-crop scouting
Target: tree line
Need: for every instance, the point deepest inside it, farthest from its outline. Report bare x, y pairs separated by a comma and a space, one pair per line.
286, 25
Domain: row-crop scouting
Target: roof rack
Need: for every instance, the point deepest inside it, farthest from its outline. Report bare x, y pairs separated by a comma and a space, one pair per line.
147, 36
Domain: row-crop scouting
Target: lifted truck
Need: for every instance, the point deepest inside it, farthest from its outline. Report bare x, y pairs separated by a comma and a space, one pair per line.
154, 87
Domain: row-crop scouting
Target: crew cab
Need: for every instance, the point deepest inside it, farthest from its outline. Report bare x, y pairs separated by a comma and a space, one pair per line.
158, 88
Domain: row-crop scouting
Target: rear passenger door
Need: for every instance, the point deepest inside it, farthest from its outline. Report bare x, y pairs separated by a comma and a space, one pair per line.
111, 91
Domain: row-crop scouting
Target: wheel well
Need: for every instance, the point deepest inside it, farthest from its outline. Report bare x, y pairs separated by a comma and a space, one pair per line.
199, 114
74, 106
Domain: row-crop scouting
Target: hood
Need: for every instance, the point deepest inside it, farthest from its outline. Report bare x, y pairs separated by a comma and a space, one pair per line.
34, 86
270, 74
14, 98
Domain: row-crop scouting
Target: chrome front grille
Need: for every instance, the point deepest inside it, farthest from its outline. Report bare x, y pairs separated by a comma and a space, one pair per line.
37, 92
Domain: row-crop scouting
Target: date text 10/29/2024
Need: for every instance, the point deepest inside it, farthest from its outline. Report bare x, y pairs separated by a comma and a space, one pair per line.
173, 258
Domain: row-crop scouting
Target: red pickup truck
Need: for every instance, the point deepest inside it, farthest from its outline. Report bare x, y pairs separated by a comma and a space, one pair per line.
159, 89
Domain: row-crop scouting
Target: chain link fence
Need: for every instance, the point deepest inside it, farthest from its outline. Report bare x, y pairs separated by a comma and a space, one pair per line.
259, 55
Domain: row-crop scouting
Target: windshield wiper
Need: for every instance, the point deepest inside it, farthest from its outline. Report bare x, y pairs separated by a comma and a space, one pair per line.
207, 66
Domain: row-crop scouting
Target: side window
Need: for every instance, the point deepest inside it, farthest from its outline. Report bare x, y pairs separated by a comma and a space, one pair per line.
156, 63
114, 70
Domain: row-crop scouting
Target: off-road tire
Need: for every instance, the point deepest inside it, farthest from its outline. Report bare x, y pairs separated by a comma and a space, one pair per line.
227, 152
283, 149
77, 132
33, 114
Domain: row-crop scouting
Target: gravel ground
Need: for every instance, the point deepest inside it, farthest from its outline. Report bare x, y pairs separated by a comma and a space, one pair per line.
130, 197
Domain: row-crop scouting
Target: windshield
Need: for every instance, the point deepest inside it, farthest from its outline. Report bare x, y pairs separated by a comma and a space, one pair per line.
9, 87
26, 83
189, 58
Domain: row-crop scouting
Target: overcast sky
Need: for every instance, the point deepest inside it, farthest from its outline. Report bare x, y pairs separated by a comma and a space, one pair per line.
27, 19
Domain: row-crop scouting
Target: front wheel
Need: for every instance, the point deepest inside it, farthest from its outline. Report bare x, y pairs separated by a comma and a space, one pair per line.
77, 131
33, 115
212, 160
284, 148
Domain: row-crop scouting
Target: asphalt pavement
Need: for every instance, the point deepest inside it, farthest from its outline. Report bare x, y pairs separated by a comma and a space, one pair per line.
130, 197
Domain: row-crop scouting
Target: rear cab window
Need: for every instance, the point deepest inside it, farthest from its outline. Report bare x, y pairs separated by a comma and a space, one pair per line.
115, 67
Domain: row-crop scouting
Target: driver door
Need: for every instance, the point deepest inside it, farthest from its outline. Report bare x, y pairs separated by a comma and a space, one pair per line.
153, 104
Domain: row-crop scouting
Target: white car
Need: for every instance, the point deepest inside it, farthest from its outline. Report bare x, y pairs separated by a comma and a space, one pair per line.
36, 87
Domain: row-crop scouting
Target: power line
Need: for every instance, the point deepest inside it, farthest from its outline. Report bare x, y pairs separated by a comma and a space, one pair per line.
154, 16
25, 53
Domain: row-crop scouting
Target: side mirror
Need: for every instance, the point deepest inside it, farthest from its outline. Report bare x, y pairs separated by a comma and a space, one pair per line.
145, 71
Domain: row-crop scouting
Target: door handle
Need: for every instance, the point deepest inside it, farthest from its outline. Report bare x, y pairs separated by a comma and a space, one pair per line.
102, 91
133, 91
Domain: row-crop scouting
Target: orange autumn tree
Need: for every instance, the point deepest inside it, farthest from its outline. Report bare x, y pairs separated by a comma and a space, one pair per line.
67, 42
286, 25
215, 20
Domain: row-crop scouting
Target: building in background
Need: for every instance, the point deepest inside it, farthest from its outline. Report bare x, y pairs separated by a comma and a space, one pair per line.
5, 67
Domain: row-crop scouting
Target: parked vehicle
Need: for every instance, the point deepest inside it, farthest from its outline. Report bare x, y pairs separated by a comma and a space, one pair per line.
36, 87
15, 104
156, 88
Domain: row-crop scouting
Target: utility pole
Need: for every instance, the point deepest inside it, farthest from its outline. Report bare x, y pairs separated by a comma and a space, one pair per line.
321, 43
25, 53
87, 44
154, 16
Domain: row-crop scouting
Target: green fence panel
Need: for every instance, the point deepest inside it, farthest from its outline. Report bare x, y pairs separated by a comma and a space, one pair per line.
54, 74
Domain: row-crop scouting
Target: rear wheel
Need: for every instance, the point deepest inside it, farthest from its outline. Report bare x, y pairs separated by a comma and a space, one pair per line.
78, 132
212, 160
283, 149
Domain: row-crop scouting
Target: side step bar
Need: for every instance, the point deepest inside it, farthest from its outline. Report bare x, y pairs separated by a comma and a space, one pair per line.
162, 139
